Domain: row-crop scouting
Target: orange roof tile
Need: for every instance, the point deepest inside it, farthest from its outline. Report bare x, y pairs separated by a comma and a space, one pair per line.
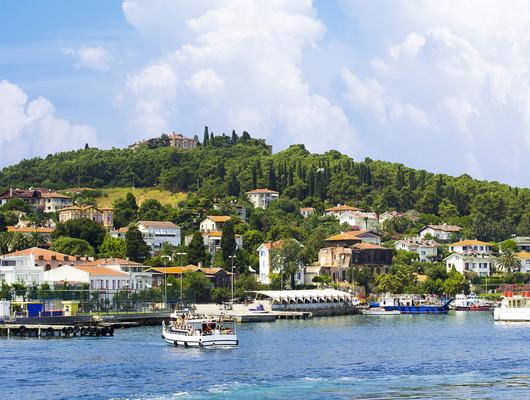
219, 218
364, 246
469, 243
262, 191
37, 252
342, 208
29, 229
443, 228
112, 261
94, 270
524, 255
274, 245
351, 235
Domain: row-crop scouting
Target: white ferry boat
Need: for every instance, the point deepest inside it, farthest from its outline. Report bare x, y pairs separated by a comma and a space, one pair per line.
470, 302
513, 308
193, 331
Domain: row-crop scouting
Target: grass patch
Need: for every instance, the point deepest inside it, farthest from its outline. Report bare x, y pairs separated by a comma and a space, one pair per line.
141, 194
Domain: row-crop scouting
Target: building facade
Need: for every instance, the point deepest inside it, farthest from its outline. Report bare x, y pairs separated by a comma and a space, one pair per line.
181, 142
20, 269
98, 278
156, 233
48, 259
480, 264
43, 199
339, 210
360, 219
444, 232
103, 216
140, 278
261, 198
268, 264
213, 223
427, 250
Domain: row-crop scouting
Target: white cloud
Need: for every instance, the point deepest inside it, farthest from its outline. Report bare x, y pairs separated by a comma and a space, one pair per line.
239, 66
97, 58
409, 48
29, 128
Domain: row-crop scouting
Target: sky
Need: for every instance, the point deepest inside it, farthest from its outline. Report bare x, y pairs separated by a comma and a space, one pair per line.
437, 85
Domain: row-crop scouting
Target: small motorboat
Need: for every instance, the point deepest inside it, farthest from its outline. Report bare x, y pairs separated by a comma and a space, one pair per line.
379, 311
194, 331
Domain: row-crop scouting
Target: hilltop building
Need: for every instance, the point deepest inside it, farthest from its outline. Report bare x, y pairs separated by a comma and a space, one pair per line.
444, 232
102, 216
360, 219
307, 211
339, 210
44, 199
261, 198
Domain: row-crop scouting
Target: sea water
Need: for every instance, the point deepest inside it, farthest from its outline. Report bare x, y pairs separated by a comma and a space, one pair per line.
455, 356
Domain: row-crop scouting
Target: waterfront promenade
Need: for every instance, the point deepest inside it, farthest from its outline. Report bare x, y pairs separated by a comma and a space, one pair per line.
455, 356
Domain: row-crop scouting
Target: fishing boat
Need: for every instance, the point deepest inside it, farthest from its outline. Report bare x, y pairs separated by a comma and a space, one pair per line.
470, 302
412, 305
199, 331
514, 307
379, 312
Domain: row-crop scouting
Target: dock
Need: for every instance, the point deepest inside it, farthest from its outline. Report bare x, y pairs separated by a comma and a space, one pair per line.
270, 316
38, 330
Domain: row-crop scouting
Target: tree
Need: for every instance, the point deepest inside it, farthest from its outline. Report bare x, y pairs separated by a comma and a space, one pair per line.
35, 239
233, 186
292, 255
508, 245
455, 283
196, 250
196, 285
125, 210
228, 242
509, 261
82, 228
137, 249
113, 247
272, 178
234, 137
72, 246
152, 210
206, 138
16, 205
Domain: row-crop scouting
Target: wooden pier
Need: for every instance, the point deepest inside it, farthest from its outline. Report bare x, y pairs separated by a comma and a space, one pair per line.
38, 331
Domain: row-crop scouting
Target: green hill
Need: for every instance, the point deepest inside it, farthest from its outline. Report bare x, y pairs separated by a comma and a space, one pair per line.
229, 166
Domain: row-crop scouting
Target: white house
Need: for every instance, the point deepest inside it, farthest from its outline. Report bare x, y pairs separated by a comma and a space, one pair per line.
339, 210
307, 211
20, 269
389, 215
522, 243
361, 219
442, 232
212, 241
471, 247
98, 278
524, 256
427, 250
481, 264
261, 198
213, 223
268, 265
352, 237
139, 277
156, 233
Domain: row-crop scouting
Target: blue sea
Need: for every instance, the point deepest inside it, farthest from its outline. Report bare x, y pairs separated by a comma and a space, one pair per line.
455, 356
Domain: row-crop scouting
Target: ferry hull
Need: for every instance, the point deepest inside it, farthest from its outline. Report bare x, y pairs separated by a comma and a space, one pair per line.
207, 341
473, 308
418, 309
511, 316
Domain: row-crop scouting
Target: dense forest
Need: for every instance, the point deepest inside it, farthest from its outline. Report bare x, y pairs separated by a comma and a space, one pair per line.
225, 166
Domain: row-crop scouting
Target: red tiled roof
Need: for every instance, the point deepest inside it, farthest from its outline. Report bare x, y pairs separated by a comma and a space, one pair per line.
94, 270
262, 191
29, 229
351, 235
363, 246
443, 228
112, 261
158, 224
342, 208
219, 218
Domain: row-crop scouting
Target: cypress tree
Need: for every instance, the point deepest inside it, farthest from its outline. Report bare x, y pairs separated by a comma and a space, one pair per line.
196, 250
137, 249
272, 177
254, 177
206, 139
220, 170
234, 137
228, 242
233, 185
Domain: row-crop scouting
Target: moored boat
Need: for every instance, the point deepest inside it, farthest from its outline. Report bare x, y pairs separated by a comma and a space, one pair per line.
413, 306
513, 308
470, 302
379, 312
203, 332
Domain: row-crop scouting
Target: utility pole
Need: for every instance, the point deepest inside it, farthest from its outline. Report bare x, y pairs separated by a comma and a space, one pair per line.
181, 254
232, 281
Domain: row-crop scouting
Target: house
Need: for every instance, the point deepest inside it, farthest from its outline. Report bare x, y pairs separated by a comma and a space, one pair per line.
524, 256
339, 210
102, 216
360, 219
427, 250
182, 142
156, 233
389, 215
98, 278
373, 256
334, 262
48, 259
307, 211
522, 243
20, 269
218, 276
139, 277
471, 247
261, 198
213, 223
44, 199
442, 232
268, 263
481, 264
353, 237
45, 233
120, 233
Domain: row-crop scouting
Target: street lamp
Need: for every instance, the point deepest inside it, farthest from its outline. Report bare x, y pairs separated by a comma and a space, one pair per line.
232, 281
181, 254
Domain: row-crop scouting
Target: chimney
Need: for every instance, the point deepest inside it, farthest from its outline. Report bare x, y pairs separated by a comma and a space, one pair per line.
200, 264
66, 258
78, 258
54, 258
10, 192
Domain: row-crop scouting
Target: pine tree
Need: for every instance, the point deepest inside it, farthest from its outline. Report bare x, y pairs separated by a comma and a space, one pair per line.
234, 137
196, 250
228, 241
206, 139
254, 177
137, 249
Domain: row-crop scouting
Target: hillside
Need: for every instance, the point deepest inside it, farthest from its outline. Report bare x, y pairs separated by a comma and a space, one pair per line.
165, 197
229, 166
